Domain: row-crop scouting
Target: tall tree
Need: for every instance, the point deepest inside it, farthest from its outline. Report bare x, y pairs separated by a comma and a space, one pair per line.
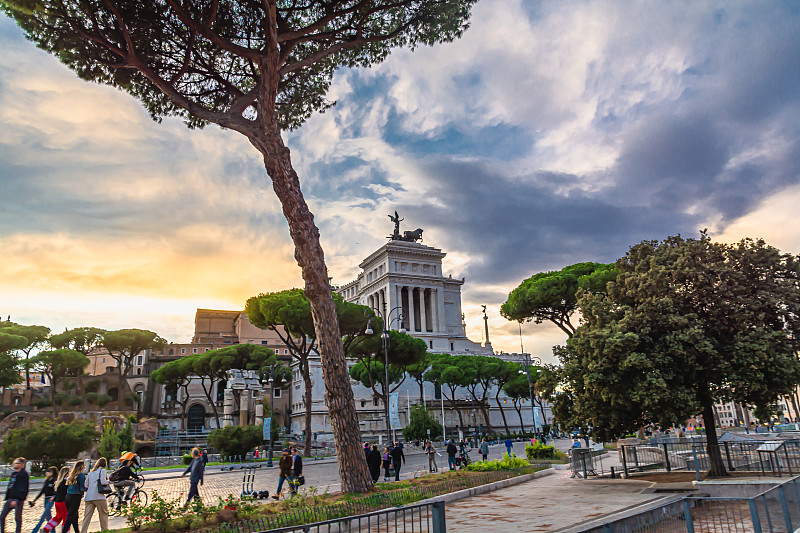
177, 374
36, 336
256, 68
123, 346
517, 389
449, 376
687, 323
484, 372
505, 373
552, 296
84, 339
289, 314
58, 364
417, 372
9, 363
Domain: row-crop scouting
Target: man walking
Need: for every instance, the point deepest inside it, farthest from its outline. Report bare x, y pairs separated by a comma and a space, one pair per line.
297, 470
195, 470
431, 451
509, 446
16, 493
397, 457
451, 454
285, 468
484, 450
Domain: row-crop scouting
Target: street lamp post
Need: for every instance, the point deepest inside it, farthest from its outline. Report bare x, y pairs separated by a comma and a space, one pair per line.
387, 322
271, 382
529, 361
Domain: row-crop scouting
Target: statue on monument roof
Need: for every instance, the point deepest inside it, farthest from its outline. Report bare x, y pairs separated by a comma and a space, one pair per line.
408, 236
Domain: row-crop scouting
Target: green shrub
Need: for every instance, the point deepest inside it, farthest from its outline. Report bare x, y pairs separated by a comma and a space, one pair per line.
74, 400
103, 399
93, 385
537, 451
109, 445
69, 385
126, 441
48, 443
421, 421
506, 463
91, 397
187, 459
41, 402
61, 398
133, 419
231, 441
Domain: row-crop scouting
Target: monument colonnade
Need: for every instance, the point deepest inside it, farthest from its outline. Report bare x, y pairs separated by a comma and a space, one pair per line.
423, 307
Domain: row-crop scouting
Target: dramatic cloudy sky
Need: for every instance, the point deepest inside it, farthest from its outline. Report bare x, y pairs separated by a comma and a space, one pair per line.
551, 133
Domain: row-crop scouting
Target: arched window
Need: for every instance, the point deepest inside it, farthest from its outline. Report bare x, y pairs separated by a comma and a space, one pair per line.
114, 393
221, 386
196, 418
171, 393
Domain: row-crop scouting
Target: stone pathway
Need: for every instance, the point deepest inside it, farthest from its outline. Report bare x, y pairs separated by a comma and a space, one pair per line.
546, 504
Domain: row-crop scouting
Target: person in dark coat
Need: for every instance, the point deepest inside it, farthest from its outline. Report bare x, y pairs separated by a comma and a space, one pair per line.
397, 457
16, 493
285, 468
374, 460
297, 469
195, 471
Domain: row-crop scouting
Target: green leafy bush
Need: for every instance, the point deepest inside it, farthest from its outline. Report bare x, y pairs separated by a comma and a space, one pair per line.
74, 400
93, 385
231, 441
538, 451
41, 402
187, 459
91, 397
48, 443
103, 399
126, 441
61, 398
506, 463
421, 421
109, 445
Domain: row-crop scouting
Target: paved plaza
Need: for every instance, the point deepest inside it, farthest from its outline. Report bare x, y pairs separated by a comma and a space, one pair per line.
530, 505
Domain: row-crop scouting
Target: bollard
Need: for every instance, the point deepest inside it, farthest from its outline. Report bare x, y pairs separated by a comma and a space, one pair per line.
438, 517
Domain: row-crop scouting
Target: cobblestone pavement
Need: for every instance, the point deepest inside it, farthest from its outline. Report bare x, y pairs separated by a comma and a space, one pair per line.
220, 484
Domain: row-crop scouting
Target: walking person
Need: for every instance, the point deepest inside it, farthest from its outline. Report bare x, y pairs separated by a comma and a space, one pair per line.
297, 471
431, 451
195, 470
48, 491
374, 463
387, 463
397, 456
509, 447
75, 490
16, 493
58, 501
95, 499
285, 469
484, 450
451, 454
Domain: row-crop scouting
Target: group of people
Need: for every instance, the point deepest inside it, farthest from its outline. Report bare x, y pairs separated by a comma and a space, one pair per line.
392, 458
64, 490
291, 470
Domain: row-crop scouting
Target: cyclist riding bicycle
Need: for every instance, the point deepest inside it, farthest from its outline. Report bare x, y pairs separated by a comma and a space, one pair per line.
124, 478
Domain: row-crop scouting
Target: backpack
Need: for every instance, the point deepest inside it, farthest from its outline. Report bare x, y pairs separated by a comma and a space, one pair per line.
116, 474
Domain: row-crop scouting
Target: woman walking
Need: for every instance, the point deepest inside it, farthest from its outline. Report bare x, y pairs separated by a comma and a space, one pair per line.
75, 489
94, 498
485, 450
387, 463
48, 491
59, 496
431, 452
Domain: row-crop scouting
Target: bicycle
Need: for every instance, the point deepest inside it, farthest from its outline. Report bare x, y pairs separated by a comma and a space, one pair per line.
117, 502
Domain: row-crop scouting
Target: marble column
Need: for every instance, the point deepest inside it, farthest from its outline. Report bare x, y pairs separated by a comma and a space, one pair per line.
423, 320
441, 312
227, 409
398, 290
411, 317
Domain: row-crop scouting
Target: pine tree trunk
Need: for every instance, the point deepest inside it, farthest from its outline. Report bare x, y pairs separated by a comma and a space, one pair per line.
53, 397
712, 444
307, 398
421, 392
521, 424
353, 471
502, 411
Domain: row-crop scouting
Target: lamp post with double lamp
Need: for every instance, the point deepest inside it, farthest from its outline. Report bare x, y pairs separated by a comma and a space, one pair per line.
530, 361
388, 320
272, 380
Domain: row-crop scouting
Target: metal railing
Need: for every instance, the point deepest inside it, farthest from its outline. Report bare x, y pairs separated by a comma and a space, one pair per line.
420, 518
775, 510
775, 458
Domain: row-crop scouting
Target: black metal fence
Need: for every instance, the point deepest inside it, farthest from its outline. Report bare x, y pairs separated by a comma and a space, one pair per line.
347, 509
421, 518
776, 510
762, 457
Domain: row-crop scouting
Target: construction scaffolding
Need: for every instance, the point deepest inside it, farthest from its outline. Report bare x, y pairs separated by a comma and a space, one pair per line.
179, 441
